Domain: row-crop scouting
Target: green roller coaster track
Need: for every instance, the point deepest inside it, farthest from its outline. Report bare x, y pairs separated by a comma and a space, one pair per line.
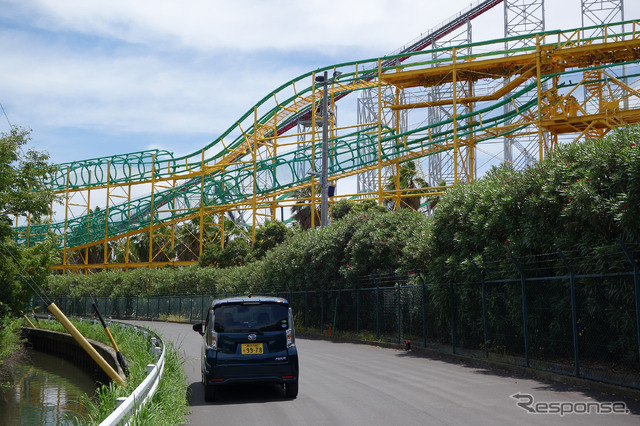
251, 163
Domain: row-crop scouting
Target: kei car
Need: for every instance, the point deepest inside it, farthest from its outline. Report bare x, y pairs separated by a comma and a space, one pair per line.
248, 339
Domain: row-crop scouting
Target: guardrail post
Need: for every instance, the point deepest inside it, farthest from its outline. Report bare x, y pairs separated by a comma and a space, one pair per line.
636, 285
525, 322
127, 408
574, 315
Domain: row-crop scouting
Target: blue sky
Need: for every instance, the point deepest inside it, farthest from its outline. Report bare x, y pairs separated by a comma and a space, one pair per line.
96, 78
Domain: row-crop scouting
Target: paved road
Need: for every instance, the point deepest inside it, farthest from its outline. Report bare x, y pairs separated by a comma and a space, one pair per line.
348, 384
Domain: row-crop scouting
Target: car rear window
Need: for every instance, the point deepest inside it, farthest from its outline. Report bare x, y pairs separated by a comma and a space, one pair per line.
245, 317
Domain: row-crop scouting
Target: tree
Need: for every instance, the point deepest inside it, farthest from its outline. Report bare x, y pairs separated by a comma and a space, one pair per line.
23, 192
268, 236
234, 254
405, 181
301, 211
435, 199
343, 208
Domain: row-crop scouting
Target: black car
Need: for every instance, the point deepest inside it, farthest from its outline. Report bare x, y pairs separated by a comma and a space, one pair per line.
248, 339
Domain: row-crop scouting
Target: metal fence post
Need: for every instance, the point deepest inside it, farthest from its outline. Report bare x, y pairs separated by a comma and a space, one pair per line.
452, 311
399, 306
636, 286
335, 313
377, 306
306, 307
484, 308
525, 319
202, 314
357, 309
574, 315
453, 317
424, 312
322, 309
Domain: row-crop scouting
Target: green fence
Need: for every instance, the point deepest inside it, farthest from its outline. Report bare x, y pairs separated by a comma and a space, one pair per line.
575, 323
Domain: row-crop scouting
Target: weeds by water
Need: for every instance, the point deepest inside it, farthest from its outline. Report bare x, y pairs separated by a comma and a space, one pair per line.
10, 350
169, 404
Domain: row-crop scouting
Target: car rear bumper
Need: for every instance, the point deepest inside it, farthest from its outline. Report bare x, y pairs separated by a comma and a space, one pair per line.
218, 374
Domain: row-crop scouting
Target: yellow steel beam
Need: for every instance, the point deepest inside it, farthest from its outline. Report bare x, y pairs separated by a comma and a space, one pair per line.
552, 59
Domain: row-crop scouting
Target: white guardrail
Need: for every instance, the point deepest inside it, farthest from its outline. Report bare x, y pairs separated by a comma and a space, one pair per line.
128, 407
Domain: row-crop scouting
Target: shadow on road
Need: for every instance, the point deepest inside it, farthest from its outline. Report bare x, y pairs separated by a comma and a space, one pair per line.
549, 381
237, 394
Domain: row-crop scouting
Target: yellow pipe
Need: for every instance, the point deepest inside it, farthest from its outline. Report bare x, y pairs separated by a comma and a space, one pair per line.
113, 342
85, 344
28, 320
36, 318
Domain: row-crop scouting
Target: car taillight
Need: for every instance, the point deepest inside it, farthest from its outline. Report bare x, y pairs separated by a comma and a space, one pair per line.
291, 338
214, 340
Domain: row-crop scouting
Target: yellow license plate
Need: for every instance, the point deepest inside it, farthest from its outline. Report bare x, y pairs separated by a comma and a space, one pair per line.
251, 348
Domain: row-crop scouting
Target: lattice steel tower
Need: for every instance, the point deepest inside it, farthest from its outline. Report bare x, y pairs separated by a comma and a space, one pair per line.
521, 17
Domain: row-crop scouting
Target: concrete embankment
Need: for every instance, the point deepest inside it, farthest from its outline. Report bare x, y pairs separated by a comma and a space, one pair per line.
64, 346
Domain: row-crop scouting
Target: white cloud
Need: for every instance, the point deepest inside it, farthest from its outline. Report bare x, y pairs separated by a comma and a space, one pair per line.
243, 24
158, 71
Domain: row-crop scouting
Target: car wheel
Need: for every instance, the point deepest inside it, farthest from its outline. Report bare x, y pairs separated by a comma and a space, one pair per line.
291, 389
210, 393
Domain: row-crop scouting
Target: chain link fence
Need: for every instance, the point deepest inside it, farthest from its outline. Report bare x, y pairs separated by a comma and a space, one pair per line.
546, 314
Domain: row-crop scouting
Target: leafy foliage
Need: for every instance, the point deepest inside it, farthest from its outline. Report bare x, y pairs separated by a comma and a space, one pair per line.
22, 192
268, 236
582, 201
402, 182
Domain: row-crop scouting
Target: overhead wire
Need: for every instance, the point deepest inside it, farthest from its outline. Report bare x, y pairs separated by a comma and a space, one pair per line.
121, 359
37, 290
6, 116
82, 341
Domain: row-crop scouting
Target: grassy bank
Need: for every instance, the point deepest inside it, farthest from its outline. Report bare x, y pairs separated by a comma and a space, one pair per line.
168, 406
10, 349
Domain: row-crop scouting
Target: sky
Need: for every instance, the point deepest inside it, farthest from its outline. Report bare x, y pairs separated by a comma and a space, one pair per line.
98, 78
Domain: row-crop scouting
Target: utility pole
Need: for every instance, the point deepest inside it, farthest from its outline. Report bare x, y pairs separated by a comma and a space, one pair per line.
324, 175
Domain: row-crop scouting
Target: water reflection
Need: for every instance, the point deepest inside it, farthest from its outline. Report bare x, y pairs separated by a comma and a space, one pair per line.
47, 391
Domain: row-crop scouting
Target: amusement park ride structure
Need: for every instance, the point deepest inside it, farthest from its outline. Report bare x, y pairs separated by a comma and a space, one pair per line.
542, 88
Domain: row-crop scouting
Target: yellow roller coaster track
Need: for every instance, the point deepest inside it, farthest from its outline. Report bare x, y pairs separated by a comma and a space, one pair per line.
562, 87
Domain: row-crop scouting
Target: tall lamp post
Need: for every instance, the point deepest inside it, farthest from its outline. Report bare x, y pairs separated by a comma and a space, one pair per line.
324, 173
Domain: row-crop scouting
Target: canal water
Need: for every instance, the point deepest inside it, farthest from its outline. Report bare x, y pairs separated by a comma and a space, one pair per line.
47, 391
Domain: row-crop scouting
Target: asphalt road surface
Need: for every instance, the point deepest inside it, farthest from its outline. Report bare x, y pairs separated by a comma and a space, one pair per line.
351, 384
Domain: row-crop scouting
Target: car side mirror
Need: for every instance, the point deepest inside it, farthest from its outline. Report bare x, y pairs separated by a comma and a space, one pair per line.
199, 327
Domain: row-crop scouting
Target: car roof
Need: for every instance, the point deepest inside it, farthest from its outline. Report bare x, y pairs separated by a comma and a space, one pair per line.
245, 299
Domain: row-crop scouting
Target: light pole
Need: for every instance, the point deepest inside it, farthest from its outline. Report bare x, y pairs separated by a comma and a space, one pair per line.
324, 172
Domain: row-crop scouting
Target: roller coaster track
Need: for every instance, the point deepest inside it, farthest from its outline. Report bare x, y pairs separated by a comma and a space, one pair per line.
256, 164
